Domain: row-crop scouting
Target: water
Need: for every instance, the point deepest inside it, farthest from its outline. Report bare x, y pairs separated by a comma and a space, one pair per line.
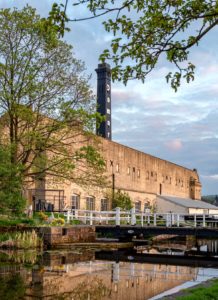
78, 274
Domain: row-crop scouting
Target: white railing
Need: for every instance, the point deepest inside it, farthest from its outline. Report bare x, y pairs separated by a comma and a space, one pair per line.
131, 217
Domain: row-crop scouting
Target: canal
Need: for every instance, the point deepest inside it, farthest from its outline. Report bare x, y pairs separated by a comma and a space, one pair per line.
88, 273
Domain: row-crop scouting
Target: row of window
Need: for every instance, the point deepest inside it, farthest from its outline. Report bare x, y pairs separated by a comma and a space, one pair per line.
90, 203
150, 175
117, 169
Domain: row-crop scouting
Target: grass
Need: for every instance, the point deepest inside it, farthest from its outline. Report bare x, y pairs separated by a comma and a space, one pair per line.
20, 240
38, 219
202, 292
16, 221
75, 222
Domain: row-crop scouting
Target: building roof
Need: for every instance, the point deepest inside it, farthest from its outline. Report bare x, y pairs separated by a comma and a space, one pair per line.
187, 202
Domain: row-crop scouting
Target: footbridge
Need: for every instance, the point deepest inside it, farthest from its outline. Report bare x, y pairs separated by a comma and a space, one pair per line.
125, 225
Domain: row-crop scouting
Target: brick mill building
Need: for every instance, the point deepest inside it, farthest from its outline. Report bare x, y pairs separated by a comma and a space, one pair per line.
143, 176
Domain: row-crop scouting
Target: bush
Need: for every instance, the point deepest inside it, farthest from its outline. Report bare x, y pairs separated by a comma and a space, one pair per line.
58, 222
122, 200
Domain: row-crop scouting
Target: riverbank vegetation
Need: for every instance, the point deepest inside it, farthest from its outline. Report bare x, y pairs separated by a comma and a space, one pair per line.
20, 240
38, 219
208, 291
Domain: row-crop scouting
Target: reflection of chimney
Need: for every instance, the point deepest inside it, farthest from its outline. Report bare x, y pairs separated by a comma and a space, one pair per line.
104, 99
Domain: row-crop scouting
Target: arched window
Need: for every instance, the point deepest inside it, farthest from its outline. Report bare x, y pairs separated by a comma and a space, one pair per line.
147, 206
90, 203
75, 201
138, 205
104, 204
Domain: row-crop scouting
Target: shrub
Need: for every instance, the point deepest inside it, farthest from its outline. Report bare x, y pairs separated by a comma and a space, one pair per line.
58, 222
20, 240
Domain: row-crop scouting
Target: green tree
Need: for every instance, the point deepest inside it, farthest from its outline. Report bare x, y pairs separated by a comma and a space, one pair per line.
122, 200
47, 109
11, 199
145, 30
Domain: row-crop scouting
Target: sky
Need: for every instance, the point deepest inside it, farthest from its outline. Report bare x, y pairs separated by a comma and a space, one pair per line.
180, 127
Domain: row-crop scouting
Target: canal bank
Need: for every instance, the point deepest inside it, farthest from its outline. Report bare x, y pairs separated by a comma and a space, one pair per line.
206, 290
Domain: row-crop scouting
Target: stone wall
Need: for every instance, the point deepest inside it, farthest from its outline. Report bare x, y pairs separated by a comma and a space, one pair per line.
53, 236
141, 175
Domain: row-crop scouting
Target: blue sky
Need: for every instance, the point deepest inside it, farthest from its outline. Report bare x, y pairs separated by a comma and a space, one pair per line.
180, 127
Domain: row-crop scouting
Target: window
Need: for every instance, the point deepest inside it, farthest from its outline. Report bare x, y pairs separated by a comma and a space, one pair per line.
152, 174
108, 134
138, 205
90, 203
75, 201
108, 123
104, 204
147, 208
108, 111
128, 171
155, 176
108, 100
133, 169
117, 168
138, 173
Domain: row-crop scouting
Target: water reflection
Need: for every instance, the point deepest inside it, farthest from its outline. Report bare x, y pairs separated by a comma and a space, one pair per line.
78, 275
12, 287
185, 246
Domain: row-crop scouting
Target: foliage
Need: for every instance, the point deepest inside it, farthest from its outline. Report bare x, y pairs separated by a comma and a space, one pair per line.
75, 222
12, 287
20, 240
16, 221
42, 216
11, 198
212, 199
144, 31
122, 200
47, 109
51, 219
202, 292
58, 222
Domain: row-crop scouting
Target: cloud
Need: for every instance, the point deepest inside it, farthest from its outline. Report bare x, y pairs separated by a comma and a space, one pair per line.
174, 145
213, 177
180, 127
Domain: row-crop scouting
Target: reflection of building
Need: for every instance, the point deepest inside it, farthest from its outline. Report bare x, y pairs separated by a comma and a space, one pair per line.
76, 275
141, 175
104, 280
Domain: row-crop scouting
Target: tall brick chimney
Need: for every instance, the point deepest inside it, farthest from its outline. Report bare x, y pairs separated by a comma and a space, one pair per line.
104, 99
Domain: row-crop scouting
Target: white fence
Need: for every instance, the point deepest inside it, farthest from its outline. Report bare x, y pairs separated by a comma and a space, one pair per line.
131, 217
